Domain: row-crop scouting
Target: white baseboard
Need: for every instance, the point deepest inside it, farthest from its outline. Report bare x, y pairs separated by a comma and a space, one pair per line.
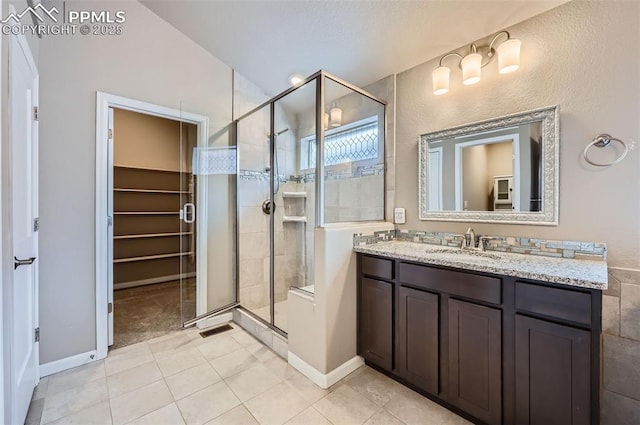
215, 321
151, 281
325, 380
67, 363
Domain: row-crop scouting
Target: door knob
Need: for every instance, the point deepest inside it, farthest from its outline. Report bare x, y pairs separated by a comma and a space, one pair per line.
17, 263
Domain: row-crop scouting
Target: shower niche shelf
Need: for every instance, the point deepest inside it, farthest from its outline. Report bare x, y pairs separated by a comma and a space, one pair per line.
294, 194
295, 205
294, 219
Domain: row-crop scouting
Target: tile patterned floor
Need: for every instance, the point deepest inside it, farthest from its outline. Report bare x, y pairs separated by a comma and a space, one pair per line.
225, 379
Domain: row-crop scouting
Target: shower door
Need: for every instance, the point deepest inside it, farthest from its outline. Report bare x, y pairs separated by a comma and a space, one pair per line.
254, 208
275, 204
207, 224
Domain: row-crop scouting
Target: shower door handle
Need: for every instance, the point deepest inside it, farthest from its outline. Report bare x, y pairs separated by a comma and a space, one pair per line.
189, 213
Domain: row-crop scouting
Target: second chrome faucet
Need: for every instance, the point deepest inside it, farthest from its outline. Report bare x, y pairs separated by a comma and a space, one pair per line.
469, 239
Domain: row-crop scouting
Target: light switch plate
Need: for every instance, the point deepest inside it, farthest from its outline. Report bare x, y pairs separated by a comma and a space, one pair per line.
398, 216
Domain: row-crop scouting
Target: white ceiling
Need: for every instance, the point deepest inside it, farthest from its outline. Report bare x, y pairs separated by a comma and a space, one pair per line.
359, 41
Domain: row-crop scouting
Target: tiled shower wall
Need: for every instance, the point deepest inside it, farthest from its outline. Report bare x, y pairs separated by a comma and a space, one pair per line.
621, 348
355, 198
356, 191
253, 190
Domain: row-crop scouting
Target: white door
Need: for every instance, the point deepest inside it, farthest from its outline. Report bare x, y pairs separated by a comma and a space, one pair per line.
22, 292
435, 179
110, 227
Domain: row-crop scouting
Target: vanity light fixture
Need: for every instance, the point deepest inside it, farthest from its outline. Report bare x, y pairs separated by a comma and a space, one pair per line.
479, 56
336, 116
295, 79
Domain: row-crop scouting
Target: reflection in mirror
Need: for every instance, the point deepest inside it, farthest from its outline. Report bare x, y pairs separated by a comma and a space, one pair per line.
491, 171
501, 170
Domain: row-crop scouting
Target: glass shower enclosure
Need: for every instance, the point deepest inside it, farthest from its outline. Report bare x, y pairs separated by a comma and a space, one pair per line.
311, 156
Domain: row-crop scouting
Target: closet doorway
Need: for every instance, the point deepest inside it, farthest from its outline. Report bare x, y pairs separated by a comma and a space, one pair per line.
203, 221
153, 236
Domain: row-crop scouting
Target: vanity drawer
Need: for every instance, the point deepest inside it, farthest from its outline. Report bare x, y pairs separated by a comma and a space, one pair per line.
378, 267
481, 288
555, 302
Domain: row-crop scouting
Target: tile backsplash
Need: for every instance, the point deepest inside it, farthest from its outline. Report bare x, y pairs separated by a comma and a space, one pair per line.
516, 245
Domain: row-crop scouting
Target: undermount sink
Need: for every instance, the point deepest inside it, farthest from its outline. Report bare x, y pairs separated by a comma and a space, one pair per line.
465, 252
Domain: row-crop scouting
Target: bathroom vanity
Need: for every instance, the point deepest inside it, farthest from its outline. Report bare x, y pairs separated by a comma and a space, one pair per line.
499, 338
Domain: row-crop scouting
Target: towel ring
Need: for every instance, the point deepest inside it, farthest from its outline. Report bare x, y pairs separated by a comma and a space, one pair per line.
601, 141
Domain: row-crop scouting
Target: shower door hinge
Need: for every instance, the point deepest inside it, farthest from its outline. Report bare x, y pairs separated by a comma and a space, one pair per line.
37, 334
36, 113
110, 134
109, 221
110, 308
36, 224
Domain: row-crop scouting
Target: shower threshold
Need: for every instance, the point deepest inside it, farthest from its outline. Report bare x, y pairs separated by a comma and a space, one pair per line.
269, 335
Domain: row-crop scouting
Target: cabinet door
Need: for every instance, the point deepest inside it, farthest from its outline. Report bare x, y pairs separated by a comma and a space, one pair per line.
418, 339
475, 360
375, 322
553, 366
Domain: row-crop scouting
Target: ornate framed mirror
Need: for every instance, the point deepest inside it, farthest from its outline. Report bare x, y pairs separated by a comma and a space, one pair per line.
503, 170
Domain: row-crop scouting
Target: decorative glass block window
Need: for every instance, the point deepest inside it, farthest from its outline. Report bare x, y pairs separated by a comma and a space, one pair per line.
353, 142
214, 160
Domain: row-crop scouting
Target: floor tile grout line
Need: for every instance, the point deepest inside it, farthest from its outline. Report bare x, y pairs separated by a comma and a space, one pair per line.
620, 394
242, 403
214, 368
315, 410
319, 413
231, 388
142, 416
108, 390
148, 413
390, 413
196, 391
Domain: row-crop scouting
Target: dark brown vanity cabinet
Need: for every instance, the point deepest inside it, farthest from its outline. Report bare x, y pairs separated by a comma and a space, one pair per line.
475, 360
418, 338
553, 371
375, 311
375, 321
555, 362
496, 349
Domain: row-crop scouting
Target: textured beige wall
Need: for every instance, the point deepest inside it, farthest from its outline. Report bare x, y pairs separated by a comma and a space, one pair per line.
582, 56
147, 63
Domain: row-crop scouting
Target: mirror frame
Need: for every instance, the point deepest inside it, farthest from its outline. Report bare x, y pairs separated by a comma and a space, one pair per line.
550, 164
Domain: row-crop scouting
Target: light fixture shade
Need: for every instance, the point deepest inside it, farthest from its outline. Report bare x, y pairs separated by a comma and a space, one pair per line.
326, 120
440, 77
509, 56
336, 117
296, 79
471, 66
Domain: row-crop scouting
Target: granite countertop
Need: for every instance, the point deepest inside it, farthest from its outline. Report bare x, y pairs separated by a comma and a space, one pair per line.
582, 273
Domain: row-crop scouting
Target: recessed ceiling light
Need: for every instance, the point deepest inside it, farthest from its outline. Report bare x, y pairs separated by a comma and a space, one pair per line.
296, 79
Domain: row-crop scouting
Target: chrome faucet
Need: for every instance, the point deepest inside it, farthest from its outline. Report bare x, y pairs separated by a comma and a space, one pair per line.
469, 239
484, 242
